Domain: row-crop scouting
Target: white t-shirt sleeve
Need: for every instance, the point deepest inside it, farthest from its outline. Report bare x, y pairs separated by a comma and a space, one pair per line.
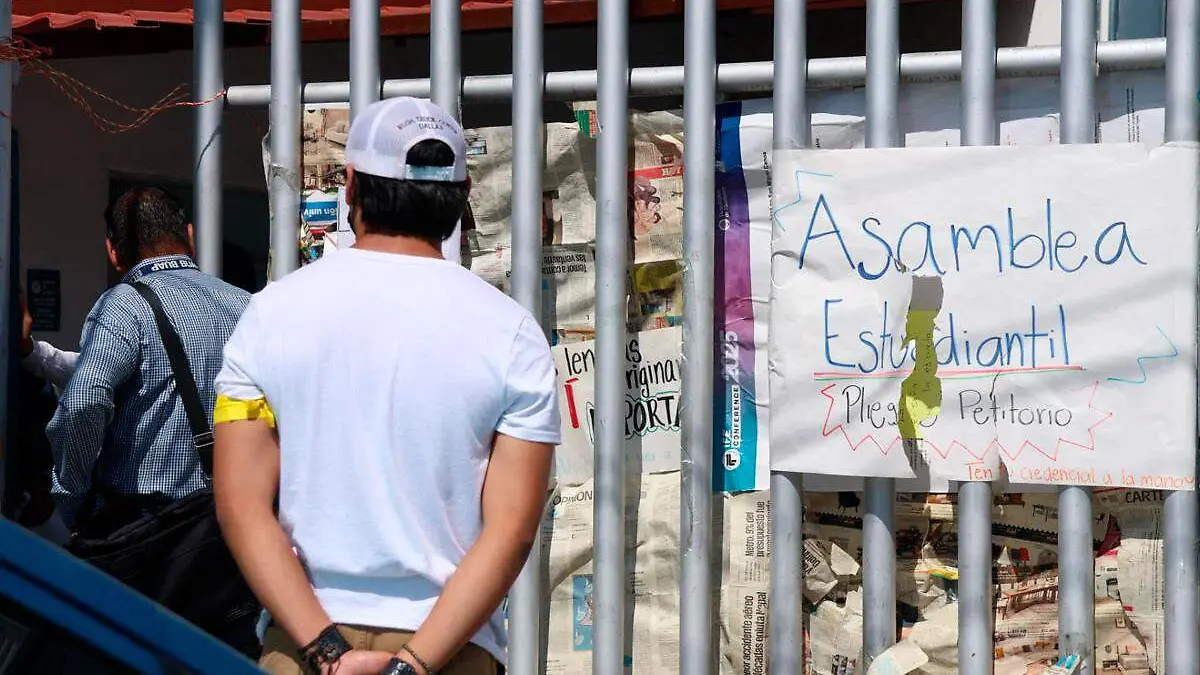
237, 381
531, 389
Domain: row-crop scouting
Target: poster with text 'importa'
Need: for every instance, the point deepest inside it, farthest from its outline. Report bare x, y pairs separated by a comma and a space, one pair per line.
967, 308
651, 404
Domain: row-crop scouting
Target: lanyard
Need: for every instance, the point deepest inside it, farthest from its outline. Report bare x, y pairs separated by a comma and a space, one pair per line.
180, 262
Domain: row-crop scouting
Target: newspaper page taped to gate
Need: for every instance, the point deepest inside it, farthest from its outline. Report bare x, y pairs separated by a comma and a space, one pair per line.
651, 424
568, 207
652, 538
568, 282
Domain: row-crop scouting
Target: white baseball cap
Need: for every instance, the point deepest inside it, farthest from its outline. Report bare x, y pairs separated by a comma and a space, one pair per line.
382, 135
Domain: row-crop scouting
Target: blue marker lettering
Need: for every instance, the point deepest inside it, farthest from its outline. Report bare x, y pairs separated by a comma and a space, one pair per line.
996, 353
1121, 245
1062, 320
823, 205
929, 256
1014, 243
887, 263
1015, 339
862, 337
956, 231
1033, 336
1059, 245
829, 336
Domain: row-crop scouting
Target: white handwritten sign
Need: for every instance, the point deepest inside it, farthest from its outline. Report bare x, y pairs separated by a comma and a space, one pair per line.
972, 307
651, 411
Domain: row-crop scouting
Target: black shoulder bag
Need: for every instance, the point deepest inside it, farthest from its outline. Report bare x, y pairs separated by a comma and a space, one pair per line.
172, 550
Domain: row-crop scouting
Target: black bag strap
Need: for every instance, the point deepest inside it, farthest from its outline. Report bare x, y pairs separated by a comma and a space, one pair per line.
185, 382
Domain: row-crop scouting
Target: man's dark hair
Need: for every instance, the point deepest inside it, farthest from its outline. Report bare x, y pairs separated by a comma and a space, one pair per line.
146, 222
426, 210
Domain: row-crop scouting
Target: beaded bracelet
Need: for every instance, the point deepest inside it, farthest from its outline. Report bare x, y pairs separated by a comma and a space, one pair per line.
418, 659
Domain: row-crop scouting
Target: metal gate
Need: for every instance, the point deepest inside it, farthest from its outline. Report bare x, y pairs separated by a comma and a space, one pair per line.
882, 70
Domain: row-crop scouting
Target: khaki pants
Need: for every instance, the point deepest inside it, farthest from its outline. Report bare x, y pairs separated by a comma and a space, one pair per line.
280, 654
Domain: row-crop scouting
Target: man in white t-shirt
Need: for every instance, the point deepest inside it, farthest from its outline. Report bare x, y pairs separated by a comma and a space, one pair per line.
404, 411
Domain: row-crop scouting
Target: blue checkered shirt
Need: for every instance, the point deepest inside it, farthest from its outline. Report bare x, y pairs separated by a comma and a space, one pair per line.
120, 424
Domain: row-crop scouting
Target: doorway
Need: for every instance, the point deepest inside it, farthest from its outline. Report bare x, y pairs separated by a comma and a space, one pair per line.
245, 236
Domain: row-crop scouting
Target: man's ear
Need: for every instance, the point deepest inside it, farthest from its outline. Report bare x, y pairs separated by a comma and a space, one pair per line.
350, 187
191, 234
113, 259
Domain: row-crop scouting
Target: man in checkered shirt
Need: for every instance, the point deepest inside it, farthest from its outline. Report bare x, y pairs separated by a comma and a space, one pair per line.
120, 426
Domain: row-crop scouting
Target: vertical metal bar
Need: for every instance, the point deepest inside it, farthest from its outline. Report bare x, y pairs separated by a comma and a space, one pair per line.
879, 567
975, 606
883, 73
612, 245
525, 600
1181, 512
1076, 562
364, 55
7, 255
445, 86
1076, 570
209, 67
285, 136
879, 547
979, 72
791, 131
696, 653
1183, 70
786, 622
1078, 71
445, 49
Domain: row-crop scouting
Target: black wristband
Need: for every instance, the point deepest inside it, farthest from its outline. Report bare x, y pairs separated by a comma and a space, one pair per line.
398, 666
325, 649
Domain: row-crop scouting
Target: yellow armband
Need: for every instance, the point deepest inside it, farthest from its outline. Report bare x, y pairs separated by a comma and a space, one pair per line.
233, 410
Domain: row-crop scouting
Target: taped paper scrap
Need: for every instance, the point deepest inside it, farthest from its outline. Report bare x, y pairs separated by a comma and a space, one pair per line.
904, 657
947, 573
927, 293
921, 391
924, 648
1011, 665
1064, 666
835, 637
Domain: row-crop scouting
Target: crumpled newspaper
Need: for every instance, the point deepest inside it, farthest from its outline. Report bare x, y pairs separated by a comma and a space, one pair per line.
929, 648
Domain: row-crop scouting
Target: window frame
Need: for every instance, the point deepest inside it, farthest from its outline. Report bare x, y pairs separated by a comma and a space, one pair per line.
1139, 12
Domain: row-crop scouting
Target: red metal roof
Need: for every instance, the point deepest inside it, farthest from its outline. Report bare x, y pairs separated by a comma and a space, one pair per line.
39, 15
328, 19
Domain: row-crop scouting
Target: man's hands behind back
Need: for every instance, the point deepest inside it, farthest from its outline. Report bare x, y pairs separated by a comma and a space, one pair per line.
359, 662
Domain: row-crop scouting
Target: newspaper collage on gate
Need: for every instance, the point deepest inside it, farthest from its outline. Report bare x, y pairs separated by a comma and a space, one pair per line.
323, 222
1127, 530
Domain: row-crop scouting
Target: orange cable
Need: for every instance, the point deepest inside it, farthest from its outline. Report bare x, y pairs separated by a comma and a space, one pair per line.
32, 59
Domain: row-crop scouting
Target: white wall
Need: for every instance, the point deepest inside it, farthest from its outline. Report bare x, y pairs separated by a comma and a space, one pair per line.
1028, 23
1037, 23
